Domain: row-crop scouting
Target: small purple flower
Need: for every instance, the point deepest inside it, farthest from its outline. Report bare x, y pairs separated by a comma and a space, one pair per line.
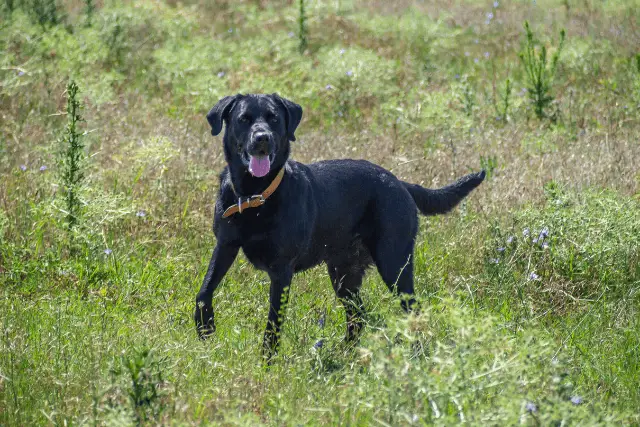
230, 30
342, 51
545, 245
340, 114
544, 233
108, 251
43, 168
221, 74
141, 213
476, 60
328, 87
467, 54
523, 91
501, 249
476, 41
496, 4
321, 321
531, 407
486, 55
318, 345
20, 73
535, 240
509, 240
525, 232
489, 16
457, 76
291, 34
23, 168
533, 276
349, 73
576, 400
494, 261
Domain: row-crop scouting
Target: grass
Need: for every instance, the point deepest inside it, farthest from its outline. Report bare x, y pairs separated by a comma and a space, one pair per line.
530, 289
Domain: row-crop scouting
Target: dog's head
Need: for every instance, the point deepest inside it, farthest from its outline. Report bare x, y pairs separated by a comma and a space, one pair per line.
258, 130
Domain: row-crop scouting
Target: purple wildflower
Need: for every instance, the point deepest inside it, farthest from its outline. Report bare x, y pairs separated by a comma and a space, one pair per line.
544, 233
486, 55
509, 240
318, 345
494, 261
545, 245
20, 73
525, 232
489, 16
457, 76
349, 73
23, 168
533, 276
576, 400
108, 251
328, 87
43, 168
321, 321
501, 249
476, 60
291, 34
467, 54
230, 30
496, 4
141, 213
342, 51
340, 114
531, 407
221, 74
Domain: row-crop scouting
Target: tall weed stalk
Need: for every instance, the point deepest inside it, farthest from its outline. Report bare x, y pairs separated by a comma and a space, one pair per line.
539, 71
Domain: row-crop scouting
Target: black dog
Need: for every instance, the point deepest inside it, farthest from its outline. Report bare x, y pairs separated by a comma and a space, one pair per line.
288, 217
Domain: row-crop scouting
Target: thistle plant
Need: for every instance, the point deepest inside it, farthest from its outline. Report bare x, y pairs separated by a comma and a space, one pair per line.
502, 108
302, 27
72, 155
539, 71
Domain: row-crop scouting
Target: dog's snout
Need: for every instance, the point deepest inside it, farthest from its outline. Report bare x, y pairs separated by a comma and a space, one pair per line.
261, 143
261, 138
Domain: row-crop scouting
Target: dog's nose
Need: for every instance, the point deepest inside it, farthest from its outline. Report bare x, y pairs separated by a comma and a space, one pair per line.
261, 137
261, 141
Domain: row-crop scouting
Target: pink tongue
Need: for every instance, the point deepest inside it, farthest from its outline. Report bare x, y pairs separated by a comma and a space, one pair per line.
259, 166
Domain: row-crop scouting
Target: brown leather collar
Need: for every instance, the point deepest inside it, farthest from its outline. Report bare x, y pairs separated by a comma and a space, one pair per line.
255, 200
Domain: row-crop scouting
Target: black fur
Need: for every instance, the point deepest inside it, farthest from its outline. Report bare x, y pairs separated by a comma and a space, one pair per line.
349, 214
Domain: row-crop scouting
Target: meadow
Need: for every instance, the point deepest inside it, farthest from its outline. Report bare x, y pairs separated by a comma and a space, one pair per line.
530, 290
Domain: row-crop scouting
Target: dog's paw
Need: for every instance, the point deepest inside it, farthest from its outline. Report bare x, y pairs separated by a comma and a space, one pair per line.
203, 317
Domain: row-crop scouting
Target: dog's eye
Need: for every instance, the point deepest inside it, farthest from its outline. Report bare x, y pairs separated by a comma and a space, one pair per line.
274, 119
244, 119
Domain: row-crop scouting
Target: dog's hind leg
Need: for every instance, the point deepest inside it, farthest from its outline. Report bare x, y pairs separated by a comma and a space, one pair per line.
396, 269
346, 283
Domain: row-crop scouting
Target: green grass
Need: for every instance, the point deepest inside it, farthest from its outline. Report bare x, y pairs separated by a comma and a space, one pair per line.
97, 336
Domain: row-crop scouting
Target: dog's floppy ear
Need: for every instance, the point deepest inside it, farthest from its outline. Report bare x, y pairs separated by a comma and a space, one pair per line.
294, 115
219, 112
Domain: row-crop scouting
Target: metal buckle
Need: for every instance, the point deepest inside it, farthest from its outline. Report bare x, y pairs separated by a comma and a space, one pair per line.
258, 197
239, 204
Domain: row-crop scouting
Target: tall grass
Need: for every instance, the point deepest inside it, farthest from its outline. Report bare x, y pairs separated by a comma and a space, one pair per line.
529, 290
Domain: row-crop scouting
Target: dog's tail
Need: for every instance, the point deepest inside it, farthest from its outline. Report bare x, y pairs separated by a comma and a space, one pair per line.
442, 200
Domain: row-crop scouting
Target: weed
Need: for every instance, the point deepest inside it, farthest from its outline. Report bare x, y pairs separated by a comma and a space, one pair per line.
302, 26
539, 71
502, 109
72, 157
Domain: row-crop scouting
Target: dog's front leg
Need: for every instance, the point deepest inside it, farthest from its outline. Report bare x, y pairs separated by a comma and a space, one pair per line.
278, 298
221, 260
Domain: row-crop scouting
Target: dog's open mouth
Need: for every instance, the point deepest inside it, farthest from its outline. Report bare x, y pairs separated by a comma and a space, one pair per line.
258, 166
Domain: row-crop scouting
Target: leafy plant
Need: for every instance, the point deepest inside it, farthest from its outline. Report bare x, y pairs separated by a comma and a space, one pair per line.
90, 8
142, 373
72, 155
539, 71
502, 108
302, 26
